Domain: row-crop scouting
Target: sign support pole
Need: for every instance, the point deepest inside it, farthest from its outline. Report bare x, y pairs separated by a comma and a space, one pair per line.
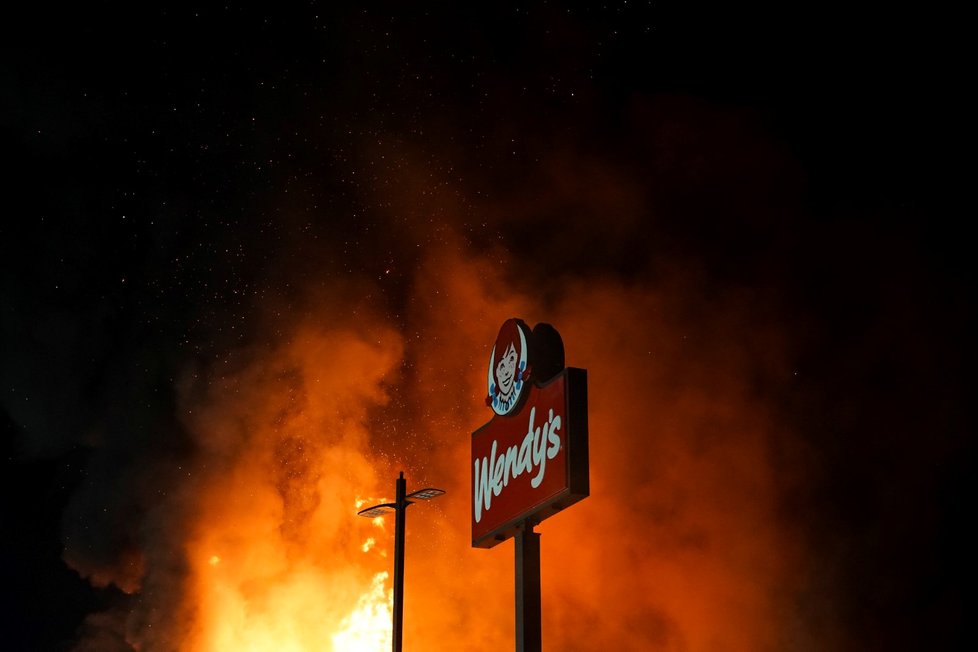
528, 630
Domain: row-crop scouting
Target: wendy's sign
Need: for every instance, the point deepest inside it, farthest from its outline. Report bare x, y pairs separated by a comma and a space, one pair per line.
531, 460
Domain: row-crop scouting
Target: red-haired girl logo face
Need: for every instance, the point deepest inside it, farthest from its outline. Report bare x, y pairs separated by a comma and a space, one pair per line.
507, 368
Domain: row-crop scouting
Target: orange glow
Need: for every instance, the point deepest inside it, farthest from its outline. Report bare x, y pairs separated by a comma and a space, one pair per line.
679, 546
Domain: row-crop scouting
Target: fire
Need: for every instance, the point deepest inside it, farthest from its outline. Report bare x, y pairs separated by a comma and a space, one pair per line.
285, 563
369, 626
264, 599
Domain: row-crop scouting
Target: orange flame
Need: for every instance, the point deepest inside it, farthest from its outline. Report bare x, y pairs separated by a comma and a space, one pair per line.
369, 626
282, 563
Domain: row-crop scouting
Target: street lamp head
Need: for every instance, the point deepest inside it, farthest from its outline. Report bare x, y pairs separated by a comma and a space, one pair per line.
378, 510
426, 494
389, 508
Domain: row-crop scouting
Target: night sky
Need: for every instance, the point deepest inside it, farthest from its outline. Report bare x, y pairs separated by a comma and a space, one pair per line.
778, 184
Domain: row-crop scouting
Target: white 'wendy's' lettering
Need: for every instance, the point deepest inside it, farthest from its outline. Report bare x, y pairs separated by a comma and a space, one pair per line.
539, 445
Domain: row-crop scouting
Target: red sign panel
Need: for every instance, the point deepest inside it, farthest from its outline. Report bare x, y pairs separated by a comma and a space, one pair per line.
529, 465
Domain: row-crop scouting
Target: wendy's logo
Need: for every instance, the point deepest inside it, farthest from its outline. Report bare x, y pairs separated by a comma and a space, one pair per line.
530, 460
509, 369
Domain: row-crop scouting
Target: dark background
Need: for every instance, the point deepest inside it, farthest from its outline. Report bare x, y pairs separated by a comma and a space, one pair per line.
158, 156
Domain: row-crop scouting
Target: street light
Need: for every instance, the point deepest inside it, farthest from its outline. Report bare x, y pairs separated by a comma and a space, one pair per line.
399, 507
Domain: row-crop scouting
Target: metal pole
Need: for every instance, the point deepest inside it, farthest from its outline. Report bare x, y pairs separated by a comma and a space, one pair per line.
400, 511
528, 629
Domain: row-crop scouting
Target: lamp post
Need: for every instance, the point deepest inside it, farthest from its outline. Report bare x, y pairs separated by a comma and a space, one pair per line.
399, 507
